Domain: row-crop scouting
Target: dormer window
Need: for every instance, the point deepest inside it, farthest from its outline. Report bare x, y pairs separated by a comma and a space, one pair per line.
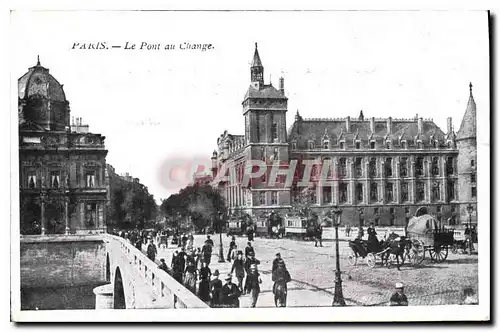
435, 143
420, 145
326, 145
357, 145
294, 145
449, 144
404, 145
387, 145
342, 145
311, 145
372, 145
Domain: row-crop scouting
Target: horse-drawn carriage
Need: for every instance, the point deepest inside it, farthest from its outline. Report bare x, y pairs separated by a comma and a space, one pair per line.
427, 236
235, 226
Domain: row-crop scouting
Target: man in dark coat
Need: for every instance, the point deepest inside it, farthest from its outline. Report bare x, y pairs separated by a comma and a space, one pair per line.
163, 266
215, 288
251, 260
372, 238
399, 298
239, 269
206, 252
318, 236
209, 241
232, 246
151, 251
276, 261
252, 285
249, 250
230, 294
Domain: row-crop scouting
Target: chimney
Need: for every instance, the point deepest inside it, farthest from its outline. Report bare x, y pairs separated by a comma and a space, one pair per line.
420, 125
348, 124
389, 125
372, 124
449, 125
282, 86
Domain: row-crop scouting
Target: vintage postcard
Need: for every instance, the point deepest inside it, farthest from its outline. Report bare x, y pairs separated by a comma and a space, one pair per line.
250, 166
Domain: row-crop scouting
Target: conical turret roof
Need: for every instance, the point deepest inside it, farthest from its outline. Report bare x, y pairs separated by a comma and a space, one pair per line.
468, 126
256, 58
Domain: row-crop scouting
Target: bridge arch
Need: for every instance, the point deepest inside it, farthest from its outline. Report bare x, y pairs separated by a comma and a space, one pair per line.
118, 291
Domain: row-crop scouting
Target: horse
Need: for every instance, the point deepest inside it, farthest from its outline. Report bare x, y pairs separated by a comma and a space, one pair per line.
396, 247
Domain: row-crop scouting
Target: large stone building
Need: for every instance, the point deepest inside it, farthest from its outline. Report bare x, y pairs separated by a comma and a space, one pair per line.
383, 169
62, 166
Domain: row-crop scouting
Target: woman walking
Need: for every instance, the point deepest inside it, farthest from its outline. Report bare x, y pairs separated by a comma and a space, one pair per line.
190, 277
204, 291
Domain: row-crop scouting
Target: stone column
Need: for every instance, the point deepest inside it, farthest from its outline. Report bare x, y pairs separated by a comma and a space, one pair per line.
397, 185
350, 166
366, 193
42, 213
335, 189
411, 183
427, 169
66, 215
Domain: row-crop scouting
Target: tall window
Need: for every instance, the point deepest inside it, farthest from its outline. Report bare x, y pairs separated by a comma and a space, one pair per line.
262, 198
435, 166
257, 127
372, 145
90, 179
450, 187
473, 177
472, 163
419, 167
372, 167
55, 180
404, 145
343, 192
474, 192
294, 145
31, 180
342, 167
404, 192
359, 192
449, 166
274, 198
403, 167
327, 195
274, 131
358, 169
387, 144
436, 196
358, 145
342, 145
373, 192
311, 145
388, 167
389, 192
325, 145
420, 145
420, 191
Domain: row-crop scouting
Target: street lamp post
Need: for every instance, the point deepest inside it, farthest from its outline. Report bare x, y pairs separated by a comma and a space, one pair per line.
338, 298
470, 208
221, 250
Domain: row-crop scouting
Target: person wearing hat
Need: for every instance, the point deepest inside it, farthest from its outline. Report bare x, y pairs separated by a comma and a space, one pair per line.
249, 261
372, 238
204, 287
209, 241
232, 246
229, 294
163, 266
399, 298
151, 251
180, 264
276, 261
239, 269
252, 283
206, 252
249, 250
215, 288
190, 277
281, 277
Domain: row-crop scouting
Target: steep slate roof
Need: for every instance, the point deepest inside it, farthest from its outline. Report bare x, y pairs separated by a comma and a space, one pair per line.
266, 91
305, 129
38, 81
468, 126
256, 58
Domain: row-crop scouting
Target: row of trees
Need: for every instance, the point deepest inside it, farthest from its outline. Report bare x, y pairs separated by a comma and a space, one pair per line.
201, 203
131, 205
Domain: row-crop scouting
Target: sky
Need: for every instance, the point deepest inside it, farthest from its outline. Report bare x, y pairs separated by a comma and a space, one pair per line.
161, 107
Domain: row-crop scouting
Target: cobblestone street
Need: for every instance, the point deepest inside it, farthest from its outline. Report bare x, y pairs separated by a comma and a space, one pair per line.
312, 270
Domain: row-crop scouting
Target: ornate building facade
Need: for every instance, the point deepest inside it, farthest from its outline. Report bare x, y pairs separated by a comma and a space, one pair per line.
381, 169
63, 183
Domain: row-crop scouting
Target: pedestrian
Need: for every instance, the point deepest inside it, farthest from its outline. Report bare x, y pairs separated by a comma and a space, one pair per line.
399, 298
232, 246
250, 233
249, 261
163, 266
191, 257
206, 252
276, 261
318, 236
198, 258
190, 241
234, 252
229, 294
204, 287
372, 242
190, 277
281, 277
215, 288
184, 240
252, 285
181, 264
239, 269
361, 233
138, 243
151, 251
249, 250
209, 241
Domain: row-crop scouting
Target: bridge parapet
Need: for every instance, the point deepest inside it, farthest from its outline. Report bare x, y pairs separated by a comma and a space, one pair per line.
143, 276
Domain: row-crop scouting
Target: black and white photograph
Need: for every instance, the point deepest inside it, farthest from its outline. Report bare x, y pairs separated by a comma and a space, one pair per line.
173, 166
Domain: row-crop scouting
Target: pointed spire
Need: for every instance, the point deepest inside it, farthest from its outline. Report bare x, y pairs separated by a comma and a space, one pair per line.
468, 125
256, 58
38, 60
361, 116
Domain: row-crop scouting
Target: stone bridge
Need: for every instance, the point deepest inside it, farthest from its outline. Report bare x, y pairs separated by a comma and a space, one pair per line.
135, 282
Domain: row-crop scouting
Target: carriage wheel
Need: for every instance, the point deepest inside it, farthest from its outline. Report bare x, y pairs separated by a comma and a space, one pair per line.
352, 259
439, 254
417, 252
370, 260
